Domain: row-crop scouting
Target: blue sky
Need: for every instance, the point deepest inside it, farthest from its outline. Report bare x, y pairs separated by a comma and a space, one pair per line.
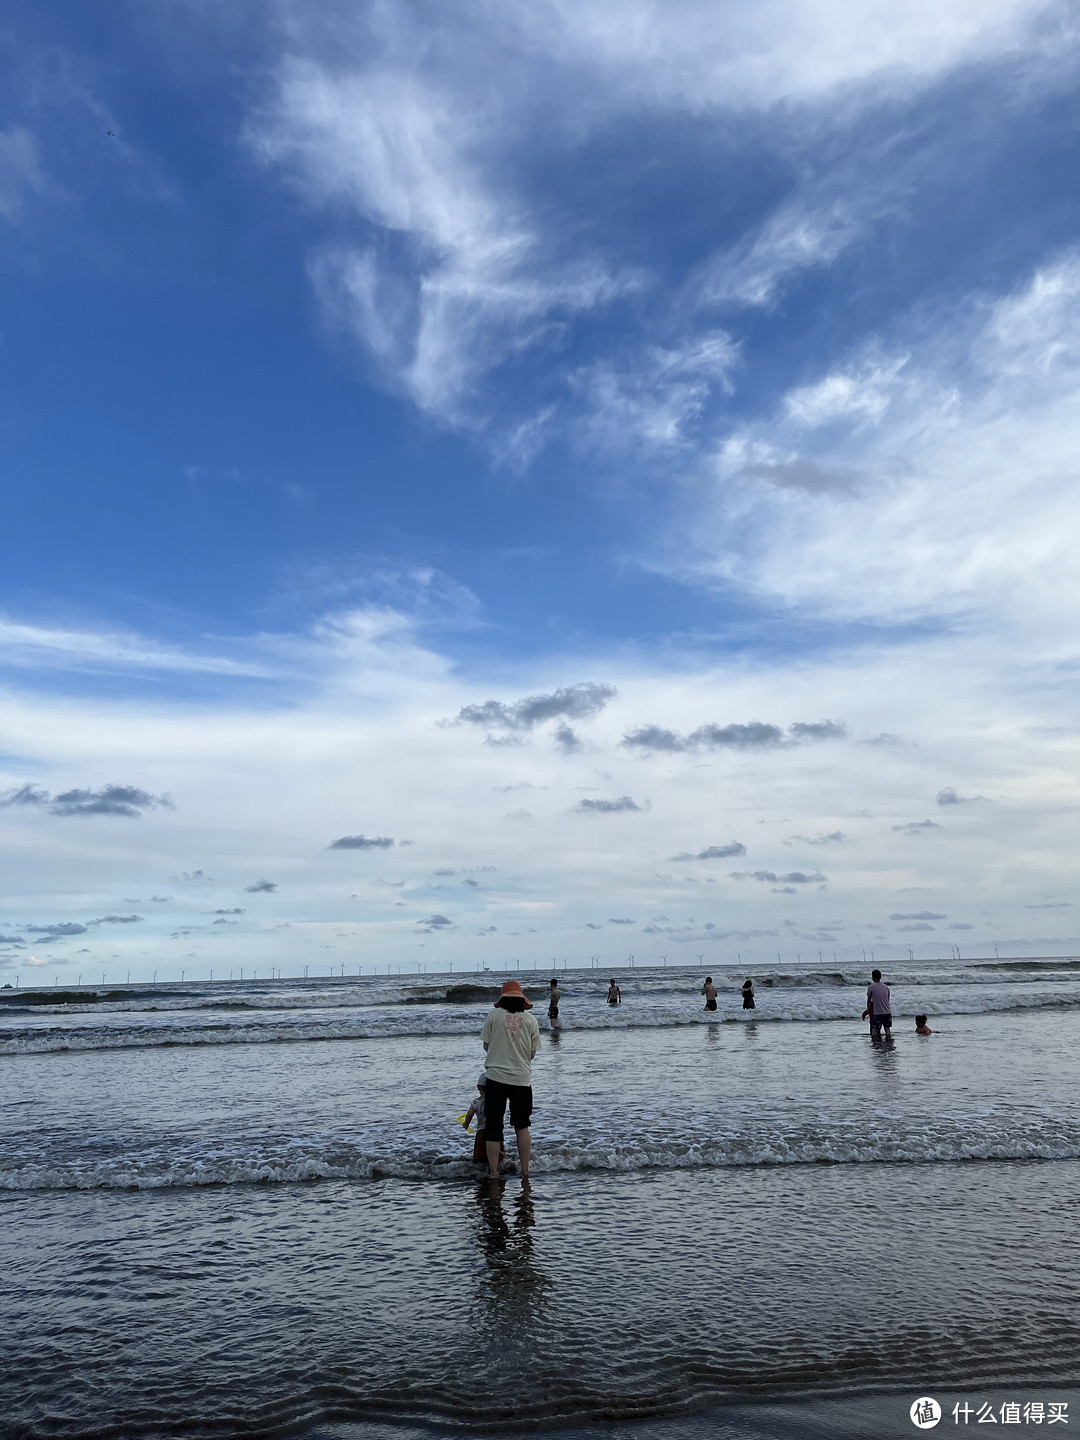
363, 363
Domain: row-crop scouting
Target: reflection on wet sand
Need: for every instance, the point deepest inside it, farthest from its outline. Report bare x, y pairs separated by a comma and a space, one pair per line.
513, 1286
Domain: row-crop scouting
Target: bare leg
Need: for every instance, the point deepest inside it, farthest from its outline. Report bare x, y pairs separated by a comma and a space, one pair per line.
493, 1149
524, 1144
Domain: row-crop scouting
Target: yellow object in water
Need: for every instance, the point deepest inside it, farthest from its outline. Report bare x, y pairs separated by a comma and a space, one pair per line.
461, 1121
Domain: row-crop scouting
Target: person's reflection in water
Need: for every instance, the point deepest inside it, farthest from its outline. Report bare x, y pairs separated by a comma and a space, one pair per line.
505, 1244
514, 1282
713, 1032
884, 1053
509, 1319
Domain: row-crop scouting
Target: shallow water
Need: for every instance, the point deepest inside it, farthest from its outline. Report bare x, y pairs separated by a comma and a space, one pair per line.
982, 1087
594, 1297
747, 1223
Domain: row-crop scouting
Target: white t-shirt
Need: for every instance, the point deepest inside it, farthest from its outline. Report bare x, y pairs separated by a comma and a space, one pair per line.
511, 1041
877, 992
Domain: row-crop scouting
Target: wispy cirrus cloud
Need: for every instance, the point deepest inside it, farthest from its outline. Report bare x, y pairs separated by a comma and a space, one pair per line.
429, 139
38, 646
987, 400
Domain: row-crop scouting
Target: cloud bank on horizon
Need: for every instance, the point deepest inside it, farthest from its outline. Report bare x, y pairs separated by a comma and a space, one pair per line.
663, 415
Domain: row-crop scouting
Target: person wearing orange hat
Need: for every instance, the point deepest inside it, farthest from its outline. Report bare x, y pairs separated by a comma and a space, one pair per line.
511, 1037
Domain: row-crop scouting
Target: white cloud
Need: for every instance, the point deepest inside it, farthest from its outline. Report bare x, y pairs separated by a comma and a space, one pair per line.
36, 646
962, 452
459, 280
656, 396
803, 235
756, 53
419, 132
351, 745
860, 396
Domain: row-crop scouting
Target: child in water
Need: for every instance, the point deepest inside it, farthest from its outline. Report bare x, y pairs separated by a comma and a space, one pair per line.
478, 1111
921, 1027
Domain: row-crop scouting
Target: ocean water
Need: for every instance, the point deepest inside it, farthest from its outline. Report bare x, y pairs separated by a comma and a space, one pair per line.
247, 1210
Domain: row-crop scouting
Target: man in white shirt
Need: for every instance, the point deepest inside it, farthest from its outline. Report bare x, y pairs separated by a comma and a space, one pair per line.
511, 1037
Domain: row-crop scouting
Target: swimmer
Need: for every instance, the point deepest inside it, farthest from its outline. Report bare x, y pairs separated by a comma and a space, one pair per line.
709, 991
748, 995
921, 1027
614, 994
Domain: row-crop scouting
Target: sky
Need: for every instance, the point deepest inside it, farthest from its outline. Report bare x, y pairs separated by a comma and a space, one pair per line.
494, 484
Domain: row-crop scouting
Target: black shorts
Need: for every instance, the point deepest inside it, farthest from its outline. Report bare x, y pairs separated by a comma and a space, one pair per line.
553, 1012
877, 1022
710, 1004
496, 1096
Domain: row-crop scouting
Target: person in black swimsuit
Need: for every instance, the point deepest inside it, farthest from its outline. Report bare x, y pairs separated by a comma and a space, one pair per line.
709, 991
748, 995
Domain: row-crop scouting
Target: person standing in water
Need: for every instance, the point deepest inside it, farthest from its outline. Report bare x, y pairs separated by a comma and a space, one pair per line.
511, 1037
614, 994
709, 991
879, 1003
553, 1003
748, 995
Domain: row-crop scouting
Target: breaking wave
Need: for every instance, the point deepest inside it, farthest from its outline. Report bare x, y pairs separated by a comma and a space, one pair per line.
287, 1160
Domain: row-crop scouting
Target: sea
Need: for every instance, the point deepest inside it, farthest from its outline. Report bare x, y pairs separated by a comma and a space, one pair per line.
248, 1209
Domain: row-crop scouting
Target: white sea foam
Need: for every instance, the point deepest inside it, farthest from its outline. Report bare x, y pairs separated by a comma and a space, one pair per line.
294, 1160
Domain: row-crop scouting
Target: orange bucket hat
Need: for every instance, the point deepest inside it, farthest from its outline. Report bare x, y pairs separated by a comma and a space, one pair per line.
513, 988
